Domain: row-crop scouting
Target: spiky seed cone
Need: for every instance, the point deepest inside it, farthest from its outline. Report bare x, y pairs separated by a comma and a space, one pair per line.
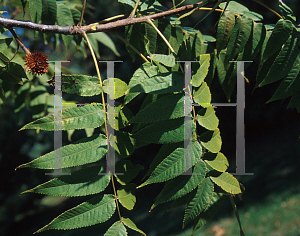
36, 63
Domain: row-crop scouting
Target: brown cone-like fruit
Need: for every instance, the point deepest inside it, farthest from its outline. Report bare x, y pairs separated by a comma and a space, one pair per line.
36, 63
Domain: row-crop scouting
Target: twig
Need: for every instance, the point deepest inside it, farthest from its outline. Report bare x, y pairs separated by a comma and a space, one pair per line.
132, 14
26, 50
77, 30
82, 13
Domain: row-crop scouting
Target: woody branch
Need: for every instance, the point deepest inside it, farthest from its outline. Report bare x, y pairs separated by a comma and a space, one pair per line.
79, 30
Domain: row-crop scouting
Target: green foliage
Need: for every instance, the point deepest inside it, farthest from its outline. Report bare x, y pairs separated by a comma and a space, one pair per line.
160, 119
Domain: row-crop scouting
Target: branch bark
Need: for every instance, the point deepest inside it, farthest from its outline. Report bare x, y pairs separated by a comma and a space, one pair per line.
79, 30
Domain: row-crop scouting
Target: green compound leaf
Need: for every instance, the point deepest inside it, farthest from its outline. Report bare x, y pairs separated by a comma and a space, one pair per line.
167, 60
144, 72
168, 131
35, 9
202, 95
173, 165
49, 12
119, 86
290, 84
72, 118
280, 34
87, 150
254, 44
151, 37
65, 18
238, 38
181, 185
216, 160
207, 118
82, 85
117, 229
283, 62
168, 107
211, 140
225, 27
126, 171
94, 211
227, 182
199, 202
176, 38
80, 183
128, 222
202, 71
164, 151
254, 16
126, 196
234, 7
208, 213
160, 83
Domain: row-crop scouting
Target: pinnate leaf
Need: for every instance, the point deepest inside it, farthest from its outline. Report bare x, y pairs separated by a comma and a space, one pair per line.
94, 211
169, 107
146, 71
173, 164
202, 71
119, 90
227, 182
211, 209
202, 95
199, 202
161, 83
216, 160
234, 7
35, 9
79, 183
225, 27
82, 85
238, 38
283, 62
87, 150
280, 34
117, 229
72, 118
211, 140
207, 118
126, 196
181, 185
169, 131
64, 18
167, 60
128, 222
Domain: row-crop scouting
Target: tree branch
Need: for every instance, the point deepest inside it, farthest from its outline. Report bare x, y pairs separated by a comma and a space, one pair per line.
79, 30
